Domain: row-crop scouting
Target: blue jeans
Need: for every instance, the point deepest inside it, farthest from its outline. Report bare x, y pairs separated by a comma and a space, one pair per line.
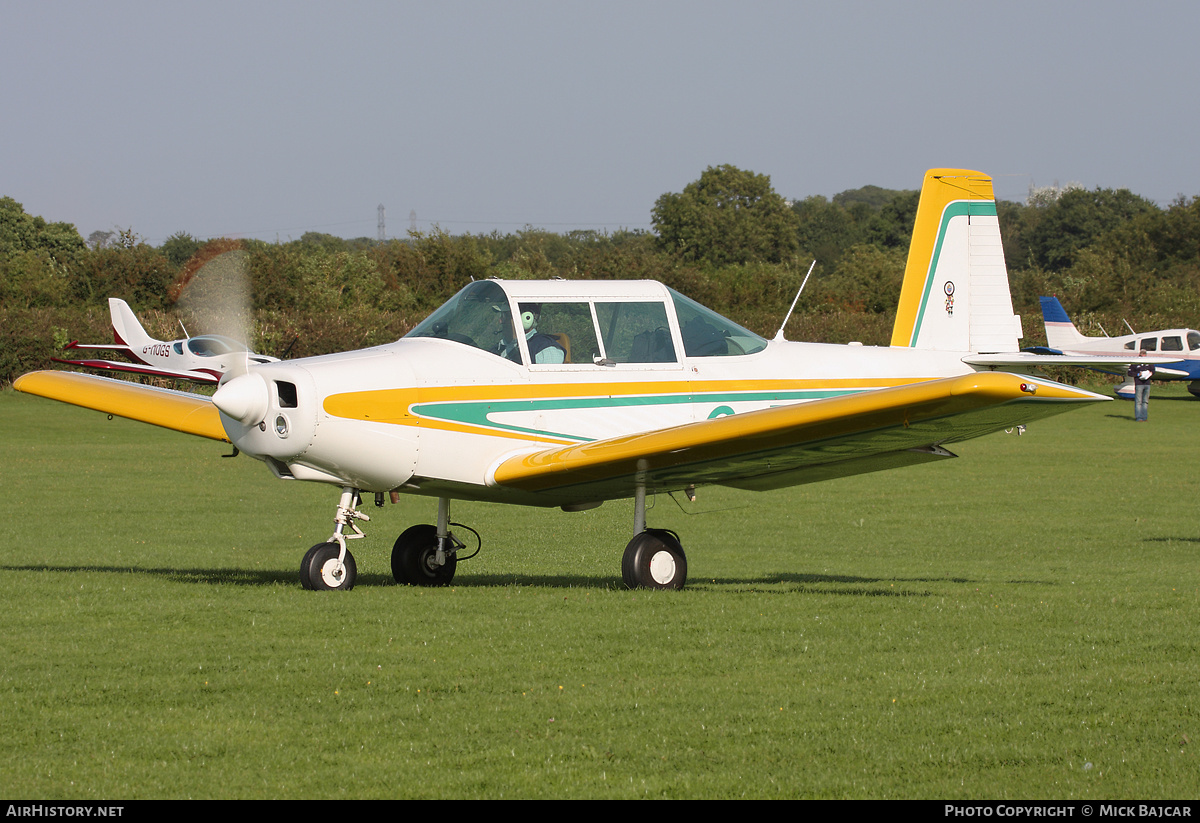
1141, 402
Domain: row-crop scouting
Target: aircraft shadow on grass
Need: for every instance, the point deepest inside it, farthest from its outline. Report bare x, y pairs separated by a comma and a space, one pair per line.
800, 583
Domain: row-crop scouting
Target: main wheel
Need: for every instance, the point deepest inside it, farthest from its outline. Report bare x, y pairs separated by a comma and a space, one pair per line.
321, 571
654, 559
414, 559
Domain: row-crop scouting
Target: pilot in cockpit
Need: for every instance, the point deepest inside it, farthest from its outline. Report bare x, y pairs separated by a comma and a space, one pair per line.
542, 347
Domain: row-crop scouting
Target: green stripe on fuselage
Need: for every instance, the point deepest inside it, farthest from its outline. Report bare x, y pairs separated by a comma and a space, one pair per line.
478, 413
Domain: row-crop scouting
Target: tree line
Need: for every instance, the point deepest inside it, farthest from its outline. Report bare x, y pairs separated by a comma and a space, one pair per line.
727, 240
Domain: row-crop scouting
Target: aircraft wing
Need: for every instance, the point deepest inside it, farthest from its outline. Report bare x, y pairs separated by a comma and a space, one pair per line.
794, 444
139, 368
177, 410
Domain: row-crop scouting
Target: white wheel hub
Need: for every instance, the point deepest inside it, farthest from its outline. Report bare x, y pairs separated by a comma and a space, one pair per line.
662, 567
333, 573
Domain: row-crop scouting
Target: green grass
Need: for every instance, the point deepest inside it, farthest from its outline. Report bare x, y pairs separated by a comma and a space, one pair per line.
1019, 623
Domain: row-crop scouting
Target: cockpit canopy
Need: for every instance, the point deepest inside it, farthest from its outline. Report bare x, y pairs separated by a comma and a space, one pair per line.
210, 345
576, 323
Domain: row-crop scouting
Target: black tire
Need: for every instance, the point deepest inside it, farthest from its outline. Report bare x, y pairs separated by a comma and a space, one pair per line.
654, 559
318, 570
413, 559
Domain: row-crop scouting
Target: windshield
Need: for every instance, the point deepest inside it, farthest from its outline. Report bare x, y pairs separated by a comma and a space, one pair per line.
211, 345
708, 334
477, 316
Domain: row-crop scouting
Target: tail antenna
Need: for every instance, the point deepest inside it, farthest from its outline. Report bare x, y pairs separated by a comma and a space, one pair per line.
779, 334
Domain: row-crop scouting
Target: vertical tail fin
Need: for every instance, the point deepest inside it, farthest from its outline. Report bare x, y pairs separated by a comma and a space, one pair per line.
1060, 331
127, 331
955, 295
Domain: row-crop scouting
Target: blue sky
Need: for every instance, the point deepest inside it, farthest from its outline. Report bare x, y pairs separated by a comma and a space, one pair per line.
270, 119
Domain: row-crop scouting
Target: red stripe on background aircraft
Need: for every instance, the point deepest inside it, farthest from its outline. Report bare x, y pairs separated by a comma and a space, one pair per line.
203, 359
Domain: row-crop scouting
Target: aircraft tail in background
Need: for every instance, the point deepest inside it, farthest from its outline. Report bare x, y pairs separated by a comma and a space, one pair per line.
127, 331
1060, 331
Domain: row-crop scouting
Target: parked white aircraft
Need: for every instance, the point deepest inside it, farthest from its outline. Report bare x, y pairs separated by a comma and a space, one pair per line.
1176, 351
202, 359
645, 392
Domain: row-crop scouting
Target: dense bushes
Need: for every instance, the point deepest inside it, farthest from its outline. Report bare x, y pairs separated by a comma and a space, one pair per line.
1110, 256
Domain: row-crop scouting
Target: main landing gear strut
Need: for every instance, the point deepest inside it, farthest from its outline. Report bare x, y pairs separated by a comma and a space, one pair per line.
654, 558
428, 555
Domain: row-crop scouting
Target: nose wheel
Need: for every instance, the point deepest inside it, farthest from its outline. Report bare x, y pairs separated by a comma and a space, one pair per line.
329, 566
325, 568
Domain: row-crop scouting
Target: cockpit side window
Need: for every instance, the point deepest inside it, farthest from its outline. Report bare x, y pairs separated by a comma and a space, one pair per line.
559, 333
636, 332
478, 316
1149, 344
708, 334
1172, 343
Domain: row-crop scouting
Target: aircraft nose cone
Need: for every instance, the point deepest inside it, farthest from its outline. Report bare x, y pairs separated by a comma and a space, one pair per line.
243, 398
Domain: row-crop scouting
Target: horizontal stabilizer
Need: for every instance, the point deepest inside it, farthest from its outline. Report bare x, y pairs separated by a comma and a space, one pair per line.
1045, 357
180, 411
76, 345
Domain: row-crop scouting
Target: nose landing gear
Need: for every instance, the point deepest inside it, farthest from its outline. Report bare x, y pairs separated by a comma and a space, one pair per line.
329, 566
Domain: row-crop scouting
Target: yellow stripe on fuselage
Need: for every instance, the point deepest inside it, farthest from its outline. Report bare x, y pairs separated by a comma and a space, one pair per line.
395, 406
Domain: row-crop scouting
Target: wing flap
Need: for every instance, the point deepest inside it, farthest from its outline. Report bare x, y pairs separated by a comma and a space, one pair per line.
180, 411
793, 444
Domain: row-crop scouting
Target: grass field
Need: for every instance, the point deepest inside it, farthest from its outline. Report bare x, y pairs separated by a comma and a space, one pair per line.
1019, 623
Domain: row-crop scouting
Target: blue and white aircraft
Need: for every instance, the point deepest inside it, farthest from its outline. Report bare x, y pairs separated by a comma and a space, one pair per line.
1182, 346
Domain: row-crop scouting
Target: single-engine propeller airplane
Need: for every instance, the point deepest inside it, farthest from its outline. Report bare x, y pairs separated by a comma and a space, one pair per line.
1177, 350
572, 393
202, 359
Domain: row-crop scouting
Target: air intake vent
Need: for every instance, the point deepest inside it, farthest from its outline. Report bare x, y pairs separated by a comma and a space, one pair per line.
286, 393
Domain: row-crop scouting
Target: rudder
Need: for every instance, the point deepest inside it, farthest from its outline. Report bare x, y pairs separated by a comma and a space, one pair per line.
1060, 331
127, 331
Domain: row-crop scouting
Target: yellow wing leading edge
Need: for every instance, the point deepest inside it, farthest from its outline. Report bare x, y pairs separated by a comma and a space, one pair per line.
179, 411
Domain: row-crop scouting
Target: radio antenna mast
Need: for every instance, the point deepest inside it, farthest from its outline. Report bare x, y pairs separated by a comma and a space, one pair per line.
779, 334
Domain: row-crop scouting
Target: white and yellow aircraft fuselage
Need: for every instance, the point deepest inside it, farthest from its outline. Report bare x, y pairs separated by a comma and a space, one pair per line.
571, 393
